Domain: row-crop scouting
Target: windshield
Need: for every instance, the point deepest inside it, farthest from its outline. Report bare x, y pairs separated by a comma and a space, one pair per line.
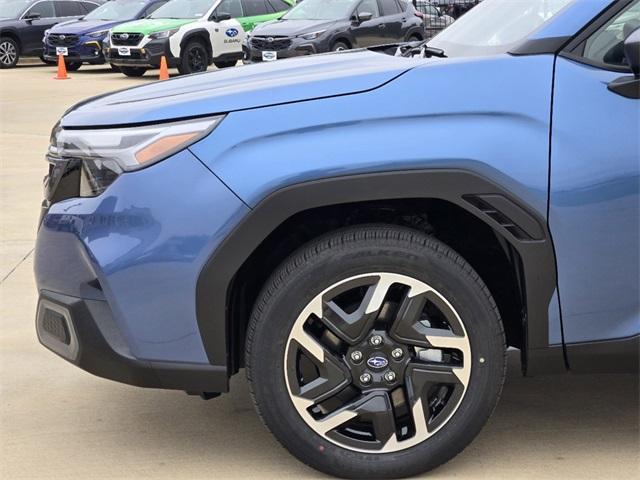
116, 10
495, 26
183, 9
13, 8
321, 10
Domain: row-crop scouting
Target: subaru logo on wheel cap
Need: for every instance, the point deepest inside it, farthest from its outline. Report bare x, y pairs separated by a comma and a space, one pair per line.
377, 361
231, 32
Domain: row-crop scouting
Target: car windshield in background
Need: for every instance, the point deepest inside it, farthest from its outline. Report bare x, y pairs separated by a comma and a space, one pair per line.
116, 10
13, 8
495, 26
321, 10
183, 9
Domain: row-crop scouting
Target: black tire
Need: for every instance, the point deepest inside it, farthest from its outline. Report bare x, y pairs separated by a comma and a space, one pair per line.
133, 71
115, 68
339, 47
356, 251
193, 58
47, 62
9, 52
225, 64
414, 37
73, 66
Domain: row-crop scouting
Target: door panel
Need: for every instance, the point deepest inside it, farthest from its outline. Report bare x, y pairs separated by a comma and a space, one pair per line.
371, 32
594, 204
33, 31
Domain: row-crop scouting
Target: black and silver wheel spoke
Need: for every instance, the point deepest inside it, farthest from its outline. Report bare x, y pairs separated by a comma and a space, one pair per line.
378, 362
325, 376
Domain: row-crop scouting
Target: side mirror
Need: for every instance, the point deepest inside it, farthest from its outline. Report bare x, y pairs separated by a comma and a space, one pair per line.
31, 17
629, 86
221, 17
632, 52
364, 17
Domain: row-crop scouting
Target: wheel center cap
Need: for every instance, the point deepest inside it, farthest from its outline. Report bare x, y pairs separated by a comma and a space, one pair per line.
377, 361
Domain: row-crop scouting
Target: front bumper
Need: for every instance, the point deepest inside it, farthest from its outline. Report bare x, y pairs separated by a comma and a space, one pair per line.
147, 56
83, 331
298, 47
119, 272
85, 52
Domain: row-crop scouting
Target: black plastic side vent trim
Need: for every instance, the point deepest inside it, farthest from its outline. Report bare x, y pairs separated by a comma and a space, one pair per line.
508, 215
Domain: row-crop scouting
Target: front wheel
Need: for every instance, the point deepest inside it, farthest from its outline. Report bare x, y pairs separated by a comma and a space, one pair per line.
9, 53
133, 71
73, 66
115, 68
225, 64
339, 47
375, 352
193, 59
47, 62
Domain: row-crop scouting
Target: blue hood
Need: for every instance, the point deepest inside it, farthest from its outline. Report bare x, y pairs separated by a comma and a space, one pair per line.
241, 88
82, 27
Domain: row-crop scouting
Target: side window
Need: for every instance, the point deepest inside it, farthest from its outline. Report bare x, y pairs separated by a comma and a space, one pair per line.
389, 7
232, 7
369, 6
278, 5
255, 7
152, 8
89, 6
606, 46
44, 9
68, 9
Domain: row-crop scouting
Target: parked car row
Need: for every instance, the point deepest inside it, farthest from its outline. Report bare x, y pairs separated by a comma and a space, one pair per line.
133, 35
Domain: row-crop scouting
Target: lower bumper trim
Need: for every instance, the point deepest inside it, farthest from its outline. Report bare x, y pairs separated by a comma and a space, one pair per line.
83, 332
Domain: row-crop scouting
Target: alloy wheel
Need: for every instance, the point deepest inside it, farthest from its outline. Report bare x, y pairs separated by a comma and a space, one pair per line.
8, 53
377, 362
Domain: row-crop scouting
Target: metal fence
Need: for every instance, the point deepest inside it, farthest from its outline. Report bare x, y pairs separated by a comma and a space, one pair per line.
438, 14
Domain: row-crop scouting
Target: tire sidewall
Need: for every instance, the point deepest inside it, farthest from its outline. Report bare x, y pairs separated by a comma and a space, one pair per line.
329, 267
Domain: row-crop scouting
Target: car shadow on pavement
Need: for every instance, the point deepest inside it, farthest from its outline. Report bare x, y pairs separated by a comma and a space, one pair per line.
554, 419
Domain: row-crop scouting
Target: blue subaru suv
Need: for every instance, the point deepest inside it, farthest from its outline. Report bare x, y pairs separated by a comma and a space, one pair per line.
366, 234
80, 41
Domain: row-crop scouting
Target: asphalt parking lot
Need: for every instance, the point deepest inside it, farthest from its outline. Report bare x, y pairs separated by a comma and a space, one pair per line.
57, 421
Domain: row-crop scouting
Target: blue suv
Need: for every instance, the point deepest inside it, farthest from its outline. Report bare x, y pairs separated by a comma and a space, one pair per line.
80, 41
366, 234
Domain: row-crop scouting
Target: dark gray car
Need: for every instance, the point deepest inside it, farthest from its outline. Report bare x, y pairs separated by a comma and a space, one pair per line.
317, 26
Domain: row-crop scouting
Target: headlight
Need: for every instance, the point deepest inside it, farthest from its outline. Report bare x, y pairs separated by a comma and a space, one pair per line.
98, 34
106, 153
46, 33
312, 35
163, 34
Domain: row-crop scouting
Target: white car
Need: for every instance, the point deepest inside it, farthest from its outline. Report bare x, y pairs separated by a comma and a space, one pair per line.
190, 34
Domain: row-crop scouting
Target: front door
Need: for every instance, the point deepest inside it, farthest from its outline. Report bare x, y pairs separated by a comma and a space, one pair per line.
594, 199
371, 32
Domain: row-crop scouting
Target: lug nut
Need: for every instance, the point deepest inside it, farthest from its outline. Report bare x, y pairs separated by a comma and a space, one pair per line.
365, 378
356, 356
390, 376
397, 353
376, 340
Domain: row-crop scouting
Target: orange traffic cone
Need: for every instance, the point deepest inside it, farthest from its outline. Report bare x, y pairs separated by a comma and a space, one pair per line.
164, 70
62, 69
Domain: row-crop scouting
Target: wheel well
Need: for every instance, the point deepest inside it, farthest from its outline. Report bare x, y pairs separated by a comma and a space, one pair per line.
495, 260
416, 34
201, 37
13, 37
